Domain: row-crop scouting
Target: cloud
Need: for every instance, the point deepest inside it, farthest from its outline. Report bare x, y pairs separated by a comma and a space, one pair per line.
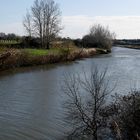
77, 26
124, 26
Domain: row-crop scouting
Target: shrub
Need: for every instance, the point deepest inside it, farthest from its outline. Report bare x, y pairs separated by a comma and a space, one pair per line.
65, 52
99, 37
126, 116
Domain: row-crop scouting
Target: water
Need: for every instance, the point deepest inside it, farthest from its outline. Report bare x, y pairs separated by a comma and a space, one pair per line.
31, 98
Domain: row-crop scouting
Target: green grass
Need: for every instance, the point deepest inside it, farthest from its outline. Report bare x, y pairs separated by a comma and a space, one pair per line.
42, 52
9, 42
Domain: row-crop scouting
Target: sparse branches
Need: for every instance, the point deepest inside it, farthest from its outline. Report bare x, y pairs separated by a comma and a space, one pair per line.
86, 99
100, 37
27, 23
46, 21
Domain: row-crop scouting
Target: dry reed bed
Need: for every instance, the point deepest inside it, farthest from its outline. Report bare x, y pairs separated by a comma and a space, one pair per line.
18, 58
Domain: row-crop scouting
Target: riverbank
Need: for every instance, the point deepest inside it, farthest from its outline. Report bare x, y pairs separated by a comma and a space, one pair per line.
129, 46
12, 58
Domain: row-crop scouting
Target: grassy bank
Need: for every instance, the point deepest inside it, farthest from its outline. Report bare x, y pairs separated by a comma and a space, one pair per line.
40, 52
130, 46
11, 58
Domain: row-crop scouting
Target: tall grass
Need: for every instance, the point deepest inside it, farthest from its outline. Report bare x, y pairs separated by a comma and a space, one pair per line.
32, 57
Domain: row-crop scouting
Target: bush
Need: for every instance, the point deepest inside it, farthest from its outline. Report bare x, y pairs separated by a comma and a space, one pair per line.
30, 42
99, 37
65, 52
128, 116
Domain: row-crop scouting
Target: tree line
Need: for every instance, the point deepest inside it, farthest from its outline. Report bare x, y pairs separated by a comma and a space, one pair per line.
10, 36
44, 21
42, 24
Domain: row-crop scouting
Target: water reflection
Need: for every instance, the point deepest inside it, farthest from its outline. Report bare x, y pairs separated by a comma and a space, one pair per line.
31, 98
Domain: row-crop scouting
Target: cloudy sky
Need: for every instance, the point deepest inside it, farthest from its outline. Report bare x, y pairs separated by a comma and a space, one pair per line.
121, 16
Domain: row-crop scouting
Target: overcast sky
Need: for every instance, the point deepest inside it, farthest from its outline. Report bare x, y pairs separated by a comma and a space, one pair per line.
121, 16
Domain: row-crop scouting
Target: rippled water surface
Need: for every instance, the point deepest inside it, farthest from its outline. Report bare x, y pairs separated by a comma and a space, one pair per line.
31, 98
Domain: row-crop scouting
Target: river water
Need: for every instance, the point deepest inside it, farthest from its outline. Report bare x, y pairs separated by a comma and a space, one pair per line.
31, 98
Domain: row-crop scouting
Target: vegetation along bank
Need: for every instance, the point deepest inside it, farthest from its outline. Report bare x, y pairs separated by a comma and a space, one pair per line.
28, 51
11, 57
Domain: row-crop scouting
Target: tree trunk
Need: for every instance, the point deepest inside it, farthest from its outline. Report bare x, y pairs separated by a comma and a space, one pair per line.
48, 45
94, 137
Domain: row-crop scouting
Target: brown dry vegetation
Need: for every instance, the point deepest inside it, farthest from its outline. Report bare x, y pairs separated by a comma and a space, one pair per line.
11, 58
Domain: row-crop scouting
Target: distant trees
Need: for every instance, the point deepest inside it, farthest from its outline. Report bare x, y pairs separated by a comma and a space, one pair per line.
43, 21
2, 35
78, 42
10, 36
100, 37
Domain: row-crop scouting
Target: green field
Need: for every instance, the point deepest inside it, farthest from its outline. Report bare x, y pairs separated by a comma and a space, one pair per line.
9, 42
42, 52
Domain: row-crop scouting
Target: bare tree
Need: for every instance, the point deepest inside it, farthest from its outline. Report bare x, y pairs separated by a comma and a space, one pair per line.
86, 99
27, 24
46, 21
99, 36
